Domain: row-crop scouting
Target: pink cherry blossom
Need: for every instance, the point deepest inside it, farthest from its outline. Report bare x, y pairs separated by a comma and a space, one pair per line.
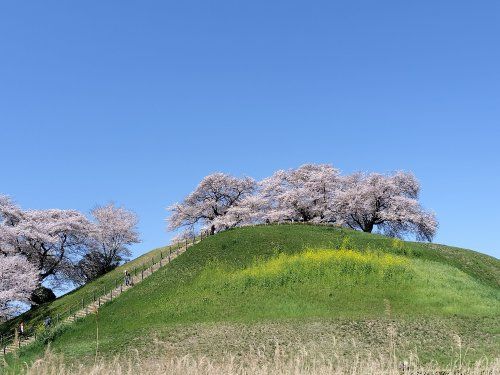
113, 230
387, 202
18, 279
211, 199
315, 193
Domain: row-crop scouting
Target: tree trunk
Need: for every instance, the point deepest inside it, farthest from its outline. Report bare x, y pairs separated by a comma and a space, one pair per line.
368, 227
212, 230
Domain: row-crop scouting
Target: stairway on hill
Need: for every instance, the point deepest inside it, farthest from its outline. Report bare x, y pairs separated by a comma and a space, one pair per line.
101, 300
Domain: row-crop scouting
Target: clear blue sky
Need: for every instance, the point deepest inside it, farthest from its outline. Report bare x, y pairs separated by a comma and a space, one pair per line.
135, 101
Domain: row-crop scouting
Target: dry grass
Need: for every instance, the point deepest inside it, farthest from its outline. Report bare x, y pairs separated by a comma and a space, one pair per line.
255, 362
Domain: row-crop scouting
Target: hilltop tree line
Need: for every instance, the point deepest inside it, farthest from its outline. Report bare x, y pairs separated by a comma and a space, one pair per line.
312, 193
45, 249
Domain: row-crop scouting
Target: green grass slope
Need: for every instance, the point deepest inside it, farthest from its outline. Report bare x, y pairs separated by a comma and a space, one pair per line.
301, 286
34, 318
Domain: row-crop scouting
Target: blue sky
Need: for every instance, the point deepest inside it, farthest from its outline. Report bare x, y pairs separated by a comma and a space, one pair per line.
136, 101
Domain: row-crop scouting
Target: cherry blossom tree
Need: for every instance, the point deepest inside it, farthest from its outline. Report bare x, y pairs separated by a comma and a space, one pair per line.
51, 240
304, 194
113, 231
250, 210
314, 193
389, 203
211, 200
18, 280
10, 215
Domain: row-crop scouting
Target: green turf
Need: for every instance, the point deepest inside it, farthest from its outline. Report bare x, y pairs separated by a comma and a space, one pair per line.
72, 301
290, 277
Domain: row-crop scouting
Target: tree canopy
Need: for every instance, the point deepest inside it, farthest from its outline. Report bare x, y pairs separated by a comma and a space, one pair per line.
316, 193
54, 247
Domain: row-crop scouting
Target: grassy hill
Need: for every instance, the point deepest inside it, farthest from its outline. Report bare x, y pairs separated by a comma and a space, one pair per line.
72, 300
299, 286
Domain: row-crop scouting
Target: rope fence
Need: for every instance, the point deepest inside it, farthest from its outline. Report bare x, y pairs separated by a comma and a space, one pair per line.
94, 299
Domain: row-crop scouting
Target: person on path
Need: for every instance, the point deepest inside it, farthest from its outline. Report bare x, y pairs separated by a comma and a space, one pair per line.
21, 329
127, 278
47, 322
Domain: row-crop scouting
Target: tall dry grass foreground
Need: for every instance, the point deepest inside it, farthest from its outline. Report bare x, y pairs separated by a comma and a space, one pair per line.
255, 363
